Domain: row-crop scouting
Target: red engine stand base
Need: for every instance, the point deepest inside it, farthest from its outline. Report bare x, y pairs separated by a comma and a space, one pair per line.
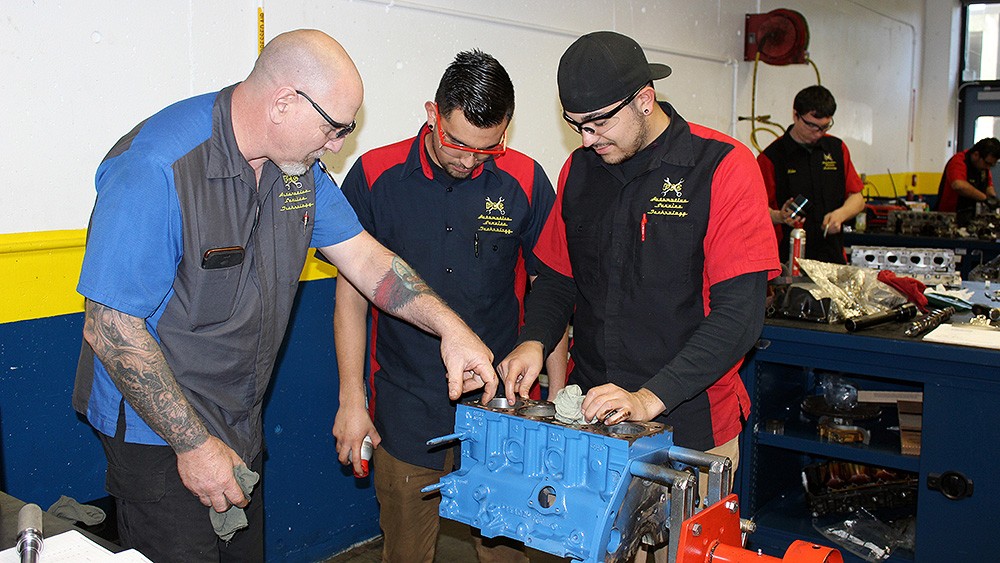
714, 536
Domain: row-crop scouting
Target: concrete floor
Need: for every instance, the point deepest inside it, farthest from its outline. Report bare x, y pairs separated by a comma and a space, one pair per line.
454, 546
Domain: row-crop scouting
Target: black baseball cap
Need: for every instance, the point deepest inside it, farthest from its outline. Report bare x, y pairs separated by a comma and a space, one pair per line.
601, 68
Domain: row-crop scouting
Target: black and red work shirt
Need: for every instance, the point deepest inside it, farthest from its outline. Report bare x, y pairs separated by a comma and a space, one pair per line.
961, 167
823, 173
644, 252
471, 241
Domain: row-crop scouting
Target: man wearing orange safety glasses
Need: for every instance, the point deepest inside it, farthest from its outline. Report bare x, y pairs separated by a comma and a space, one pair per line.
465, 211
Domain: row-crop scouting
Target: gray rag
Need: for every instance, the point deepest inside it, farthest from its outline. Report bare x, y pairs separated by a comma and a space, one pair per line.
69, 509
569, 402
227, 523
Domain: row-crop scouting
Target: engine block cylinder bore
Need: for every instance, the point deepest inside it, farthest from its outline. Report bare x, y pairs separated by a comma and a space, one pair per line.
543, 409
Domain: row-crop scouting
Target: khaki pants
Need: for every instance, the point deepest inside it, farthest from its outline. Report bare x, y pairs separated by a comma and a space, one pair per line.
409, 518
730, 449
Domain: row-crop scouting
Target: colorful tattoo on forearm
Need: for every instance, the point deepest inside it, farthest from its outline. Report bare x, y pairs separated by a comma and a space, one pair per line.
400, 285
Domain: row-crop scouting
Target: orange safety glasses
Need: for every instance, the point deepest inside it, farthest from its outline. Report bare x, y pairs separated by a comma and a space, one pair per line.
496, 150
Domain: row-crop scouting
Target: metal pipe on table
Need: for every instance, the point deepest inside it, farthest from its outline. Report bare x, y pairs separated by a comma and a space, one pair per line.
929, 321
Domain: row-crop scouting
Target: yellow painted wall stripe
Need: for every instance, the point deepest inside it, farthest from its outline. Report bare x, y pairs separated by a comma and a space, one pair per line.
880, 186
39, 272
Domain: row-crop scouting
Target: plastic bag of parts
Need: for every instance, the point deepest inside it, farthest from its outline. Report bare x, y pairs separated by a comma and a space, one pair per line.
863, 535
853, 291
839, 392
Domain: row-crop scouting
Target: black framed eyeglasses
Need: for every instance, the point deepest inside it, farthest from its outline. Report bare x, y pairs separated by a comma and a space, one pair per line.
339, 130
600, 128
816, 126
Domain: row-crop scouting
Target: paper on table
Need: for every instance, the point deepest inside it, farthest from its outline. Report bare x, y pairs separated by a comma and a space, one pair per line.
965, 336
72, 546
130, 555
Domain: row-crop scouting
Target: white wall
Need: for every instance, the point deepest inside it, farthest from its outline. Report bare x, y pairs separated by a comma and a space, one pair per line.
78, 75
865, 53
937, 112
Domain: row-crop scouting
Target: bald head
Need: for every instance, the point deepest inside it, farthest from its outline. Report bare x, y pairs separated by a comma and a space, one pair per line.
303, 90
308, 60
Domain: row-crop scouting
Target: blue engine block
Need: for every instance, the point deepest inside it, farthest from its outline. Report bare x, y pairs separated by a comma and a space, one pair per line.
588, 492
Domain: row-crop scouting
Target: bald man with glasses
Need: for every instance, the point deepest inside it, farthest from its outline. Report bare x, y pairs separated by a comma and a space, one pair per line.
807, 161
204, 217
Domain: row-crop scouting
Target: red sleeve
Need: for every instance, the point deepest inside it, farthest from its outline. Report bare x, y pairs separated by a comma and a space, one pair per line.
954, 170
551, 247
852, 179
739, 239
767, 171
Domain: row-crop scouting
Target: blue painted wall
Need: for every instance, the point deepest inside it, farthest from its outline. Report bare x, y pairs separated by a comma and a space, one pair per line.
47, 450
314, 507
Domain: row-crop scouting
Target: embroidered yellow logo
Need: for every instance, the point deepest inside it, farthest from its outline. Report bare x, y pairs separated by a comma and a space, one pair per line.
294, 195
492, 206
675, 188
828, 162
664, 205
495, 223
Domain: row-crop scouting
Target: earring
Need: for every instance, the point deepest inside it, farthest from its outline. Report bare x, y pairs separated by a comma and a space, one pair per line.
646, 111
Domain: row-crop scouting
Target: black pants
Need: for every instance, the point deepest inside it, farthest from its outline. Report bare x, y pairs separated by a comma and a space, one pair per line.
162, 519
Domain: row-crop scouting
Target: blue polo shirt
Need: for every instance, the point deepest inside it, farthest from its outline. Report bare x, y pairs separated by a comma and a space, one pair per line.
172, 189
471, 240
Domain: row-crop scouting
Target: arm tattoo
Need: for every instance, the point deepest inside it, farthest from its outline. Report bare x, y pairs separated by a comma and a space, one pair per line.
399, 286
137, 366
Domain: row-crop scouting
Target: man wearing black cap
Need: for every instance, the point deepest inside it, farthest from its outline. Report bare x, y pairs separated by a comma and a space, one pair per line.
659, 241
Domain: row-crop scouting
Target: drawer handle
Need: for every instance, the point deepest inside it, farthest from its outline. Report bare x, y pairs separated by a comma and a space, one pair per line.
952, 484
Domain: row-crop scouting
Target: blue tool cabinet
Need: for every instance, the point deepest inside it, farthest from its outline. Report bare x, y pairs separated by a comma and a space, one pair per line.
960, 423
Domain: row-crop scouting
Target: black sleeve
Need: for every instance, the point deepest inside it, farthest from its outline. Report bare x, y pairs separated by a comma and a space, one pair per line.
548, 308
728, 332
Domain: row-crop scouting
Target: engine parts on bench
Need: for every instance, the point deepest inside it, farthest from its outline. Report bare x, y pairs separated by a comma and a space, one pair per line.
922, 223
931, 266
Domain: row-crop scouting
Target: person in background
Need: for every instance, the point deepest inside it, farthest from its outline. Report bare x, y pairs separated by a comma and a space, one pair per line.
967, 180
460, 206
808, 161
659, 246
205, 213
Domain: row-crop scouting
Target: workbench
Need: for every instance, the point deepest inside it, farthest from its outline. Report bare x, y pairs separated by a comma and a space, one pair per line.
960, 423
